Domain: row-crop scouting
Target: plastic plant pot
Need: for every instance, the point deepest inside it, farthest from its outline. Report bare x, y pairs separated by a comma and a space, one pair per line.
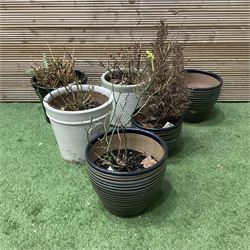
73, 129
127, 194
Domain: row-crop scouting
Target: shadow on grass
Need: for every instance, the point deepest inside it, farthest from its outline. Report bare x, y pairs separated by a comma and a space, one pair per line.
184, 146
215, 116
180, 144
188, 144
164, 201
212, 117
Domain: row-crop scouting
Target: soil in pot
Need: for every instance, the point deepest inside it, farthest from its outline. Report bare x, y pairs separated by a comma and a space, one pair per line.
42, 91
119, 77
80, 100
152, 122
135, 160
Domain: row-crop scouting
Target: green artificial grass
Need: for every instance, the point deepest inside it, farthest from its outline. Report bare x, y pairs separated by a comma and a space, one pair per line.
47, 203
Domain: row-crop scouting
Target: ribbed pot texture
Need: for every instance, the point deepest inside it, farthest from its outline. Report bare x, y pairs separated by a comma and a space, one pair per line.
169, 135
205, 90
42, 91
127, 194
73, 129
125, 100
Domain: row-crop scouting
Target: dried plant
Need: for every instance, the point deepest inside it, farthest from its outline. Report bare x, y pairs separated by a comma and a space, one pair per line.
58, 72
126, 68
166, 95
164, 98
55, 71
75, 100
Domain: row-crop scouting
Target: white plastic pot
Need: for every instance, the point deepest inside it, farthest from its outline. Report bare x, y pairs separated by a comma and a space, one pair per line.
73, 129
125, 100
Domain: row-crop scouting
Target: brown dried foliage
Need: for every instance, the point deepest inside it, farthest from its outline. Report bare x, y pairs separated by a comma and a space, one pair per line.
60, 72
55, 71
126, 67
166, 96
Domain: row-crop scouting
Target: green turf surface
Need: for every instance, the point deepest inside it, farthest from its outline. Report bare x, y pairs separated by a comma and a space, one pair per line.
47, 203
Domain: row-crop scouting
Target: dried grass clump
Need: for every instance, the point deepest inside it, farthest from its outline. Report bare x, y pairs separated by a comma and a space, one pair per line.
55, 71
166, 96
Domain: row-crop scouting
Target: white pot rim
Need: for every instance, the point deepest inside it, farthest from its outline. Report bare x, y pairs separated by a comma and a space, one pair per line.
117, 86
97, 89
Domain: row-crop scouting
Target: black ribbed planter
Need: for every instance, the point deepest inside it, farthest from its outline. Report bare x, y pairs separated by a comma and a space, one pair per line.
169, 135
127, 194
42, 91
205, 90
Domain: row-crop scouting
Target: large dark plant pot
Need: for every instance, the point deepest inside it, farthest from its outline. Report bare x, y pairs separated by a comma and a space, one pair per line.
205, 90
127, 194
169, 135
42, 91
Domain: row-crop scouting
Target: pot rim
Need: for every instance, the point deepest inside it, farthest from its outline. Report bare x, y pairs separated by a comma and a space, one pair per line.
117, 86
132, 173
208, 73
108, 94
153, 130
35, 83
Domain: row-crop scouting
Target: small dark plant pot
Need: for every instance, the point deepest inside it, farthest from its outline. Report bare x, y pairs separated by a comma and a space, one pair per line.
42, 91
169, 135
205, 90
127, 194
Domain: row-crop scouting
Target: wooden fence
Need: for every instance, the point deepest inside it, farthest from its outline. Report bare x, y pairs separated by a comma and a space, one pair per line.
215, 34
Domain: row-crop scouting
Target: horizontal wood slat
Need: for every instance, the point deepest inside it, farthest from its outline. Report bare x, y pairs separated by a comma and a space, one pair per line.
215, 35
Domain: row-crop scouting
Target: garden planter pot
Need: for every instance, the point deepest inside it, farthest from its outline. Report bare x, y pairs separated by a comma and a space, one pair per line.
127, 194
42, 91
169, 135
205, 90
126, 97
72, 129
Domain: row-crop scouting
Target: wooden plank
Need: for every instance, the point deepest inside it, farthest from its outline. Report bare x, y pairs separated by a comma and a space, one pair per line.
215, 34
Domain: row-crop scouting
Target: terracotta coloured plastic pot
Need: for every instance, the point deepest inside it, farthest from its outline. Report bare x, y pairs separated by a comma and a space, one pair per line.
127, 194
205, 90
42, 91
73, 129
169, 135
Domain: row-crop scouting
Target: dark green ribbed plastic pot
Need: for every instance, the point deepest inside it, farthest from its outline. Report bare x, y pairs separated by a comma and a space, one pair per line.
169, 135
196, 98
202, 98
42, 91
127, 194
